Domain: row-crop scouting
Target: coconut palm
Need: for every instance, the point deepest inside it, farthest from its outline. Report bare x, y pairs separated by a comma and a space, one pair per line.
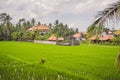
110, 13
33, 22
5, 20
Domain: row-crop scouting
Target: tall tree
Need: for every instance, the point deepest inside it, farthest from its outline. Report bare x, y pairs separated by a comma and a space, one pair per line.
38, 23
56, 22
77, 30
33, 22
5, 20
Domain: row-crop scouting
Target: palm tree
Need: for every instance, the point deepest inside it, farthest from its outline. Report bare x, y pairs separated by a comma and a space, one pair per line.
33, 22
38, 24
110, 13
5, 20
21, 21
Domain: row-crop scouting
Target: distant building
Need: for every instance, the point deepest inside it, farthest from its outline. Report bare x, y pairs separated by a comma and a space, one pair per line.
103, 37
80, 36
106, 38
77, 36
42, 28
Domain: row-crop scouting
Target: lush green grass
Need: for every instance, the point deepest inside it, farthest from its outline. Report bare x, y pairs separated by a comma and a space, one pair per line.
94, 62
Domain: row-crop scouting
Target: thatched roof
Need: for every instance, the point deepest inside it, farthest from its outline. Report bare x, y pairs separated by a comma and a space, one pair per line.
105, 38
77, 35
117, 32
41, 28
52, 38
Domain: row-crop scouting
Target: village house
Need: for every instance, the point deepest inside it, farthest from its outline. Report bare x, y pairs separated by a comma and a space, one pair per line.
80, 36
103, 37
41, 28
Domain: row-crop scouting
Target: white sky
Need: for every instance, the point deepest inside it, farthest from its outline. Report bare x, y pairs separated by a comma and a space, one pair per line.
75, 13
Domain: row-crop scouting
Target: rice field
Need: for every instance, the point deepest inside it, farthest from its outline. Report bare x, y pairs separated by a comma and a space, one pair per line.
22, 61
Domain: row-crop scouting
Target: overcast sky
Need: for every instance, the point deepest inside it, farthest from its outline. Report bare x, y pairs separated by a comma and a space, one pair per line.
75, 13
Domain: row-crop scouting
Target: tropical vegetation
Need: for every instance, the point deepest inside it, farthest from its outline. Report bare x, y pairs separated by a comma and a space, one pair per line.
18, 31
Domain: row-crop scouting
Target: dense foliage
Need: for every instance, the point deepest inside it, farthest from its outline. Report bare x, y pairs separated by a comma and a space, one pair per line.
9, 31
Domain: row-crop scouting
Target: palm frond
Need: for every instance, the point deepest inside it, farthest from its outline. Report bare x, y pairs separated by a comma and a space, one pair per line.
110, 13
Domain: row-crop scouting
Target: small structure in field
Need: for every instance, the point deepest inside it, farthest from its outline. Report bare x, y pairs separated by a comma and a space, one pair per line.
61, 41
77, 36
52, 38
80, 36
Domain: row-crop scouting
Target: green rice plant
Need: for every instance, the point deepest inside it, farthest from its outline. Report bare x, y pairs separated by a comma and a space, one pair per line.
117, 61
21, 61
42, 61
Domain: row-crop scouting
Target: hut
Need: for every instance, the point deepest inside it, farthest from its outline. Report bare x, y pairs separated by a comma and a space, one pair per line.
52, 38
80, 36
77, 36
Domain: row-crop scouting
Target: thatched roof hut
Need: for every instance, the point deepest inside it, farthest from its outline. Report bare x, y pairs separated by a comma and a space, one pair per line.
77, 35
52, 38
